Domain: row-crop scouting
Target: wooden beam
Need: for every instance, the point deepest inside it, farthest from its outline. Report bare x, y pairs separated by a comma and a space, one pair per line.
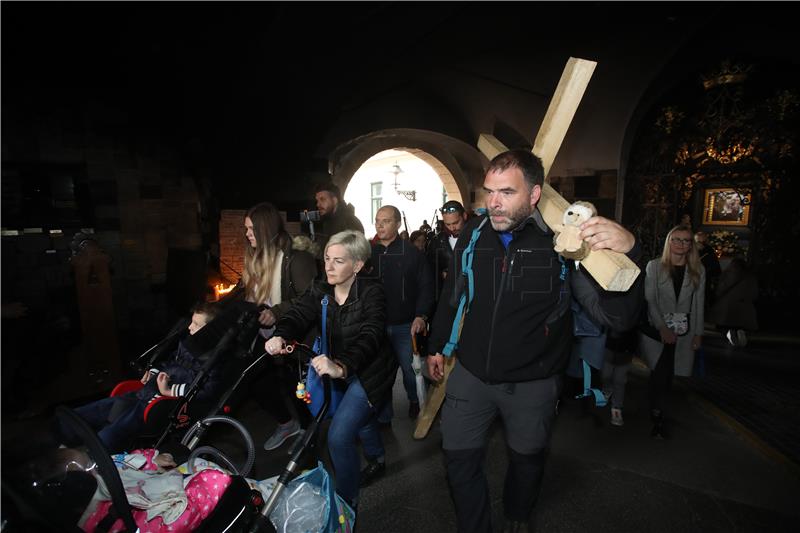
612, 270
434, 401
561, 110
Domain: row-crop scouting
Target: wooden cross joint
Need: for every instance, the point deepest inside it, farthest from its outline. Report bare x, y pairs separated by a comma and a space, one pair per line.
612, 270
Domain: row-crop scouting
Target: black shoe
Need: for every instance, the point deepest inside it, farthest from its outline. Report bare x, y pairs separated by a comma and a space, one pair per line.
513, 526
659, 432
371, 472
413, 410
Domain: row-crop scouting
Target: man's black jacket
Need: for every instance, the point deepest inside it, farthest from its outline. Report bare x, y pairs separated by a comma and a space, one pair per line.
440, 257
342, 219
519, 325
406, 279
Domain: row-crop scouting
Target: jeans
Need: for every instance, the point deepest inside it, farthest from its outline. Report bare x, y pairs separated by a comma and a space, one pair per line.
115, 436
355, 419
400, 337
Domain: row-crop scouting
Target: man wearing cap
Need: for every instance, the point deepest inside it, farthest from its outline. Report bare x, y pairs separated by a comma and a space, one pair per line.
440, 250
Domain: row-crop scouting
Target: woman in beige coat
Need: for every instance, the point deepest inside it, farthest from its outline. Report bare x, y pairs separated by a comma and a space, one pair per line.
674, 284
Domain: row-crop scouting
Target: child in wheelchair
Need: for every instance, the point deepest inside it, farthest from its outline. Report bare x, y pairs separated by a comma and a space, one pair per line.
119, 419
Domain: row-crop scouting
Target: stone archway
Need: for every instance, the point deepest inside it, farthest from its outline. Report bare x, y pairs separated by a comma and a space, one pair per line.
459, 166
446, 177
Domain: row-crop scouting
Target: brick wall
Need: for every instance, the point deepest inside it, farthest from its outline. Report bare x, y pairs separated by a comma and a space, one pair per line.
231, 243
232, 240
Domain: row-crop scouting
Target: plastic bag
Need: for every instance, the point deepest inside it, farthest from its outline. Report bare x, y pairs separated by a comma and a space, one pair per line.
416, 364
310, 504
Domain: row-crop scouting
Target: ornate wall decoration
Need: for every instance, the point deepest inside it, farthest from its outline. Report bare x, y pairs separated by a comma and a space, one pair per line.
736, 130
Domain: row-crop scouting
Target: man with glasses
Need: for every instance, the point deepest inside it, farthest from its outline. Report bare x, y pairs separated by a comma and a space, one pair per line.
440, 250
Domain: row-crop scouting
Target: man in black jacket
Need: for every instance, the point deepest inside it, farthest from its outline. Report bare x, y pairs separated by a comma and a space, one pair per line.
515, 340
408, 283
336, 216
440, 250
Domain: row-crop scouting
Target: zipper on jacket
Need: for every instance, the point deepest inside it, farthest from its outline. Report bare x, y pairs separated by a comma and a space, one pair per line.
497, 304
333, 317
330, 332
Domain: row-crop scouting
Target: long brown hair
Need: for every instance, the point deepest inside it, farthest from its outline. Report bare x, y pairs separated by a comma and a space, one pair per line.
693, 264
260, 262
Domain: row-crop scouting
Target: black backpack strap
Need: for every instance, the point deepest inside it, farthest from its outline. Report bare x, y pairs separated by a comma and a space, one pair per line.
104, 525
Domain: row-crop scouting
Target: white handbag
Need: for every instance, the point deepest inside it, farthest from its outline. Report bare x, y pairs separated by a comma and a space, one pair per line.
677, 322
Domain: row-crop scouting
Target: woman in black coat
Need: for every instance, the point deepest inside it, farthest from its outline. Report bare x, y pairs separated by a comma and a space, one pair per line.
359, 353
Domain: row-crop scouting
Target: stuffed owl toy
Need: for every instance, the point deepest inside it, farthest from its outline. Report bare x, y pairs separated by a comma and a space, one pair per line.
567, 240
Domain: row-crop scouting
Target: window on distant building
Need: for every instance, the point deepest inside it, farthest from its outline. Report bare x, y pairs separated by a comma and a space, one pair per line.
377, 191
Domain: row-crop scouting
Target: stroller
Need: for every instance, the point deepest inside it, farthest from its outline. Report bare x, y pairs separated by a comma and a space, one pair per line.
56, 496
168, 418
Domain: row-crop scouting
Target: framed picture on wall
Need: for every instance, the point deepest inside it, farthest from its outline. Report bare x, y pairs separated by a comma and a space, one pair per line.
726, 207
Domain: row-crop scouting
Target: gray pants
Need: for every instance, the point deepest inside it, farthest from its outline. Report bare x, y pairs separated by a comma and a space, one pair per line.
527, 410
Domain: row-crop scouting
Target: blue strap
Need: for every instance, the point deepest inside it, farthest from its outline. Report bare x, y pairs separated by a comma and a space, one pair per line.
466, 297
324, 340
599, 398
563, 274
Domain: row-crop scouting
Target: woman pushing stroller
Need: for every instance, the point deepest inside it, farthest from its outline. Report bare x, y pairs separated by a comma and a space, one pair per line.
276, 272
359, 353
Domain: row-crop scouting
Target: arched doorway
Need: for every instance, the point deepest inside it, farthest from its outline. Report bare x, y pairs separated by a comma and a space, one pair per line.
458, 166
410, 179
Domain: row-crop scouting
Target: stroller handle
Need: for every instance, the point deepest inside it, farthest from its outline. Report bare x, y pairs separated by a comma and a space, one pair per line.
159, 349
261, 522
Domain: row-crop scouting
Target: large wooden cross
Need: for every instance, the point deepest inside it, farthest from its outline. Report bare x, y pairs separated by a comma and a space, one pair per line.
612, 270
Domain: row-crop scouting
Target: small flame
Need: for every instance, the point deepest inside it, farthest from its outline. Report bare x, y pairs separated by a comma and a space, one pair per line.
220, 288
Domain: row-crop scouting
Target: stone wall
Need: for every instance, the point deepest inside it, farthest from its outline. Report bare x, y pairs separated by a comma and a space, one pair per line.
86, 169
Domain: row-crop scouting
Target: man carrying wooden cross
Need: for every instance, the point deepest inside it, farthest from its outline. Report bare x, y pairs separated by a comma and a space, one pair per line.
515, 338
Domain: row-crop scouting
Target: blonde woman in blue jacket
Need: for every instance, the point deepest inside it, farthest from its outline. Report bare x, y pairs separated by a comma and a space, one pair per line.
674, 291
